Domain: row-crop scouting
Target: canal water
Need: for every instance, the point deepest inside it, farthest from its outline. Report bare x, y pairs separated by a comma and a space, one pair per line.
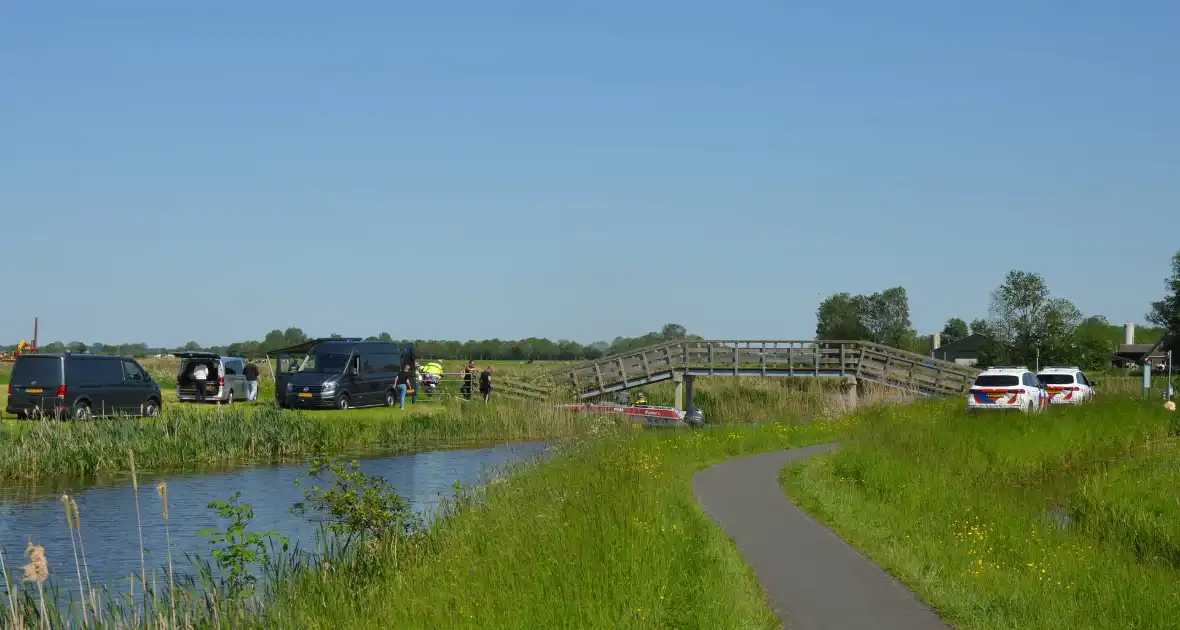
108, 512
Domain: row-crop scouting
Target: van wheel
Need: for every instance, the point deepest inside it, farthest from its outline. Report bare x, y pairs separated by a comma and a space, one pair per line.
82, 411
343, 402
151, 408
390, 398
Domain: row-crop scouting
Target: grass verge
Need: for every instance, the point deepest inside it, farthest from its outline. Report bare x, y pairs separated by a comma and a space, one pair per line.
1062, 520
609, 535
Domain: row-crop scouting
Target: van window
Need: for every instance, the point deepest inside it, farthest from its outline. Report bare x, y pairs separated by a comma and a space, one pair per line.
232, 366
133, 372
325, 363
381, 363
94, 372
40, 370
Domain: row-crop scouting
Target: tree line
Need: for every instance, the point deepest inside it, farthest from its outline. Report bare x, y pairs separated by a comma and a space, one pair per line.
1025, 322
530, 349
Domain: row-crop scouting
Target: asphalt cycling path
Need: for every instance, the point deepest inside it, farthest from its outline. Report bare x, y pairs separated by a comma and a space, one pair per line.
813, 578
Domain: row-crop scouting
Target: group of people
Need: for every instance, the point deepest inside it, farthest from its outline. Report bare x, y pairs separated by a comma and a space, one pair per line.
408, 379
485, 381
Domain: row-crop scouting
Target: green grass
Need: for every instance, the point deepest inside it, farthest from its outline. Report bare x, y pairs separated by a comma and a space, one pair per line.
608, 535
194, 437
1062, 520
604, 533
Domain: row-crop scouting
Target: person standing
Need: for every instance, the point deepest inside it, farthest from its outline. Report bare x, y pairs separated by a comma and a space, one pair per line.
403, 384
201, 377
485, 383
468, 375
251, 374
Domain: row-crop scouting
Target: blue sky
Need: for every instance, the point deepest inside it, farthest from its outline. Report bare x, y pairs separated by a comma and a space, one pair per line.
574, 172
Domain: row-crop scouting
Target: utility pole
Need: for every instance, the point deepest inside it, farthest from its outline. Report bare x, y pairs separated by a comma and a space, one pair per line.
1170, 392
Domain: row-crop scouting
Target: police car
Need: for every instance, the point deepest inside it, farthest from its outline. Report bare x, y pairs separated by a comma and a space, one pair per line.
1066, 385
1007, 388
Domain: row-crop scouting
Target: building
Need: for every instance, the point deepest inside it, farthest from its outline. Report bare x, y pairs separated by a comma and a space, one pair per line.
965, 351
1131, 353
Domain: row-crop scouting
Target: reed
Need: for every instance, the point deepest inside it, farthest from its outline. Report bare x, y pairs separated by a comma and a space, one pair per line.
188, 437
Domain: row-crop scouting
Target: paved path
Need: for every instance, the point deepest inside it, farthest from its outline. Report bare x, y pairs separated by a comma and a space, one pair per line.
814, 579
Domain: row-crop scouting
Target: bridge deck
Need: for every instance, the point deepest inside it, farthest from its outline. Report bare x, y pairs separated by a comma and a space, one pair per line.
864, 360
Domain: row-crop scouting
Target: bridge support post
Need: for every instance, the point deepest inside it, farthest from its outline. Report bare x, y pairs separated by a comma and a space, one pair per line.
849, 386
678, 394
689, 381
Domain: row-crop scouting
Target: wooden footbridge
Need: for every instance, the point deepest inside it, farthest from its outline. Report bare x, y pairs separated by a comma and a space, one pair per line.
859, 360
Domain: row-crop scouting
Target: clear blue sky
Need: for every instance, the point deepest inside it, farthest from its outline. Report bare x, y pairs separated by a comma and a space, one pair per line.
574, 173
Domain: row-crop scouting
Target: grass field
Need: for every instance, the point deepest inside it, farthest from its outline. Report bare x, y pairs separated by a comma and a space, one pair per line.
1063, 520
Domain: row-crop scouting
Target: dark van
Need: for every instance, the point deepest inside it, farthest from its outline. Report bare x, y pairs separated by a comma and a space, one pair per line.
81, 386
344, 374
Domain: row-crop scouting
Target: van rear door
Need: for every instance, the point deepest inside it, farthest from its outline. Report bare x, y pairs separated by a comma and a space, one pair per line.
35, 382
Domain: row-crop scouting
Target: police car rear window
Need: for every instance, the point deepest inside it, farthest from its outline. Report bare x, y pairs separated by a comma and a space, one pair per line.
997, 380
1056, 379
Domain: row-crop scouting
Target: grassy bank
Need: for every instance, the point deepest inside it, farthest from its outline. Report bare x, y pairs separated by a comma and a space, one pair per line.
607, 536
187, 436
1064, 520
606, 533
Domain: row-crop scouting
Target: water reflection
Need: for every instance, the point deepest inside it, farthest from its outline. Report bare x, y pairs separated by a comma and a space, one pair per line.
108, 513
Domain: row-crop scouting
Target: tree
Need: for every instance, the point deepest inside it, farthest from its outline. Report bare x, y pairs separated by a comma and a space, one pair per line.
293, 336
839, 317
954, 330
982, 327
886, 315
1055, 337
1017, 306
882, 317
673, 332
274, 340
1166, 312
192, 346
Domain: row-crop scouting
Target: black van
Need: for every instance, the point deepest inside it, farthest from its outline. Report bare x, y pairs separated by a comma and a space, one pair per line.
340, 374
81, 386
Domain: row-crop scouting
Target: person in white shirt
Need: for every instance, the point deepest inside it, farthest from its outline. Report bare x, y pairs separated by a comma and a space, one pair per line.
200, 377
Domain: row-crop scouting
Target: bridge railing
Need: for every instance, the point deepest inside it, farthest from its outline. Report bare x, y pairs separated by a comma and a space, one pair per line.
865, 360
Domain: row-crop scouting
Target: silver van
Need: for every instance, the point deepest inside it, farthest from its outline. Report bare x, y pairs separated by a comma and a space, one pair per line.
225, 382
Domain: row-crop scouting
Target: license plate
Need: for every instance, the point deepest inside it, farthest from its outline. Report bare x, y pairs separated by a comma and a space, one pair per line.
996, 396
305, 394
34, 390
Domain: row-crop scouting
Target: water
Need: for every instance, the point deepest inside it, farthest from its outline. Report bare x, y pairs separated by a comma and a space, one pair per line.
108, 513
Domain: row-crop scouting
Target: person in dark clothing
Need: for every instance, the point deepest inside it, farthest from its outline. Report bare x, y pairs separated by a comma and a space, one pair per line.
468, 375
251, 374
404, 383
485, 383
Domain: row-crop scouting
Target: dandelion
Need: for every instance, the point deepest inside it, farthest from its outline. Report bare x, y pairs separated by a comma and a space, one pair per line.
37, 570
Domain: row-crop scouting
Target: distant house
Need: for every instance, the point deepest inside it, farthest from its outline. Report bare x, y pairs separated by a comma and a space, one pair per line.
965, 351
1140, 353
